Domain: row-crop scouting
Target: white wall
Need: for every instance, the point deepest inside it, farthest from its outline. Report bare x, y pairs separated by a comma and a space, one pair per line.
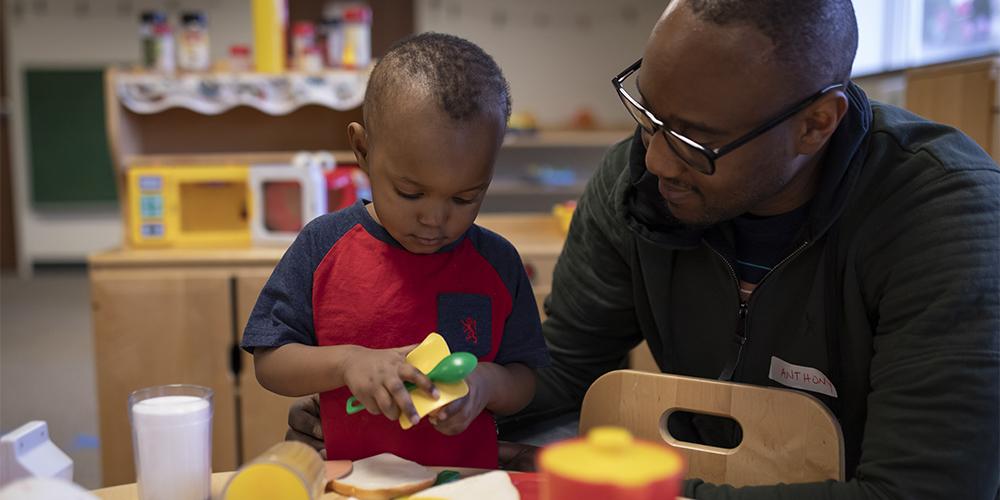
61, 37
559, 55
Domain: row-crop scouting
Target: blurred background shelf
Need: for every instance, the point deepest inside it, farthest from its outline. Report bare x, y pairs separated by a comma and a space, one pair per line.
231, 158
565, 138
514, 188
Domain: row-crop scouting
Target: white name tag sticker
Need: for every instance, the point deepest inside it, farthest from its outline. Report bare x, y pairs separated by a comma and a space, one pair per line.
800, 377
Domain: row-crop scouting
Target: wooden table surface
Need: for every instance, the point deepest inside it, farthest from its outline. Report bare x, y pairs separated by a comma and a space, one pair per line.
129, 491
219, 479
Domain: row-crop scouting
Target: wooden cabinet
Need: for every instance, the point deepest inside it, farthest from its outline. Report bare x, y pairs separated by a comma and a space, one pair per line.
168, 323
265, 414
964, 95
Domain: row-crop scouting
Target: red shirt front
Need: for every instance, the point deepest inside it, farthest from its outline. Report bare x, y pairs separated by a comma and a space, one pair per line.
367, 290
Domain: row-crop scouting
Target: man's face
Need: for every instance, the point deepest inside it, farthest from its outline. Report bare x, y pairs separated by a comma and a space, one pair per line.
713, 84
429, 174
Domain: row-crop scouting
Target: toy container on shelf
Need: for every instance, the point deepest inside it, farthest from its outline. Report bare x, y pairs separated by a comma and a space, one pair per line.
189, 206
345, 185
270, 17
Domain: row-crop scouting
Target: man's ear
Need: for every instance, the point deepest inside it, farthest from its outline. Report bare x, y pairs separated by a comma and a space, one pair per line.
821, 121
358, 137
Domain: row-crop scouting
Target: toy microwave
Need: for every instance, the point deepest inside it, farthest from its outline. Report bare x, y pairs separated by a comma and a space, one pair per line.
285, 199
189, 206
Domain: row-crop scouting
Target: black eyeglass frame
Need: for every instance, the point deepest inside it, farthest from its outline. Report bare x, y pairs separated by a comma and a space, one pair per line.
711, 154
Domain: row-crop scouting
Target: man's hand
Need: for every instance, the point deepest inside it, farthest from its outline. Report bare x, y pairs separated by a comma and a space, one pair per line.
375, 377
304, 424
517, 456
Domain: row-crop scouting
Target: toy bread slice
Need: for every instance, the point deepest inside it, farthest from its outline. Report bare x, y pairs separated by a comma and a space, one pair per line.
383, 477
336, 469
494, 485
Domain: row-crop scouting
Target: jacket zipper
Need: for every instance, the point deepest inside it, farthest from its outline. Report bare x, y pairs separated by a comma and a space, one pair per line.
743, 312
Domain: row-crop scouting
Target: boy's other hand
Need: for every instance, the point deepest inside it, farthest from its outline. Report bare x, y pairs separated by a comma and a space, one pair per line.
456, 416
304, 423
376, 376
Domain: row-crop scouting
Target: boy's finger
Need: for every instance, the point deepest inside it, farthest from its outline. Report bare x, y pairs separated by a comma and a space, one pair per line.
405, 349
403, 401
371, 406
450, 409
410, 373
385, 404
448, 428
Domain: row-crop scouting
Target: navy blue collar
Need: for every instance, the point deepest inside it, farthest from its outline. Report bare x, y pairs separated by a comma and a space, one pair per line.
359, 211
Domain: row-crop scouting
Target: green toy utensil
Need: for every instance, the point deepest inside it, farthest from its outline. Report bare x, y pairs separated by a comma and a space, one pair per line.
453, 368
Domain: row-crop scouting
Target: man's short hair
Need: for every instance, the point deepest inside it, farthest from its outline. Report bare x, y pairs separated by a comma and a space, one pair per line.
816, 40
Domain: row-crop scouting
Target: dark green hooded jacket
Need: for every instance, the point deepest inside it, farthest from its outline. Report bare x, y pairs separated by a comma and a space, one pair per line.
892, 291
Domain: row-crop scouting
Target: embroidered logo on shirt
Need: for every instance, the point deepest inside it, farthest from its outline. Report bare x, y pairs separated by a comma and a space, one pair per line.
800, 377
465, 321
469, 326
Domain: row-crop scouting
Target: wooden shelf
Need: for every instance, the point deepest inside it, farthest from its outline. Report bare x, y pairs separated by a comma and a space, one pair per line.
532, 234
172, 257
277, 157
565, 138
527, 189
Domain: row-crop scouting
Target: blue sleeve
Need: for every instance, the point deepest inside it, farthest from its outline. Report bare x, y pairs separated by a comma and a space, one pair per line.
522, 340
283, 313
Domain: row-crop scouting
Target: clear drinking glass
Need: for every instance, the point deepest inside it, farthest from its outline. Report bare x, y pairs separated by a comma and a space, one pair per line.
172, 440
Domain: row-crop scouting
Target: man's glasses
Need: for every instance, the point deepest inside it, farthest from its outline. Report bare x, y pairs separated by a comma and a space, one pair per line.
697, 155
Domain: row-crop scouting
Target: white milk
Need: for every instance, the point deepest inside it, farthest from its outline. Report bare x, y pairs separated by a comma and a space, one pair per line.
173, 447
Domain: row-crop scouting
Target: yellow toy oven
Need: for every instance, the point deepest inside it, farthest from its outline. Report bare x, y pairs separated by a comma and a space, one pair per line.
190, 206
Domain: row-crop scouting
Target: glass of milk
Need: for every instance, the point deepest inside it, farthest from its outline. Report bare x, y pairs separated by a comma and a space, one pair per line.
172, 440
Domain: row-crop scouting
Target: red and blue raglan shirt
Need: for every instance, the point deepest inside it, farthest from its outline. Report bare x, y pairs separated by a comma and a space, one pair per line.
345, 280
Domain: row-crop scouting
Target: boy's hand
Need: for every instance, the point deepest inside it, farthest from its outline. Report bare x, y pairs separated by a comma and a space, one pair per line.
375, 377
456, 416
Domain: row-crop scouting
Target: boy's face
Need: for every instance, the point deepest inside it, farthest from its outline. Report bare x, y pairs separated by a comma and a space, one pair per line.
428, 173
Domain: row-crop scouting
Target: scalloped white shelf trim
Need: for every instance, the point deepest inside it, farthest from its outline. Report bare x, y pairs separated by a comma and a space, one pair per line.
214, 93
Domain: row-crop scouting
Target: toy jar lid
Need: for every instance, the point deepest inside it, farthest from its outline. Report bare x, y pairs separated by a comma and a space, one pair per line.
611, 455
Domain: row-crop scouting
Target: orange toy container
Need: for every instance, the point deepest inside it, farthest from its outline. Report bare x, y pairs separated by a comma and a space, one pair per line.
610, 465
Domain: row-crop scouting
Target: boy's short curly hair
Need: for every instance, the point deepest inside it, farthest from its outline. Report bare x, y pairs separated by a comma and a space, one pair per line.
464, 80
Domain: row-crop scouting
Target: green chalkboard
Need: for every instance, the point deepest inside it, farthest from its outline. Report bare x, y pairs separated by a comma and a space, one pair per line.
67, 142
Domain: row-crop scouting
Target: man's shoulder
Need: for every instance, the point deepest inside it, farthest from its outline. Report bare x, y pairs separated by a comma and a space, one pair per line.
922, 179
916, 142
913, 162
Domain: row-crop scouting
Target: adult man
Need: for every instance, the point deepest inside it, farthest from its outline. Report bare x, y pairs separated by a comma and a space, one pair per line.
767, 216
